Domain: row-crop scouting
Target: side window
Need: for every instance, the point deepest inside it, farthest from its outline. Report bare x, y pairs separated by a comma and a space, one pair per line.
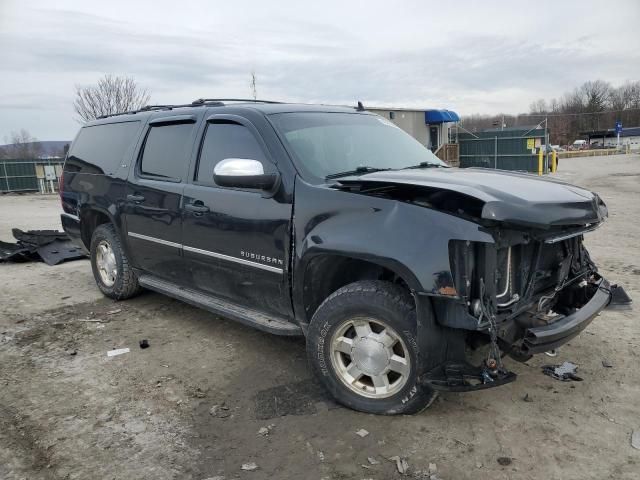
102, 148
226, 140
166, 151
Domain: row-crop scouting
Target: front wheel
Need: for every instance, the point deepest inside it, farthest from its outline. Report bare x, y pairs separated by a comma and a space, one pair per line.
362, 346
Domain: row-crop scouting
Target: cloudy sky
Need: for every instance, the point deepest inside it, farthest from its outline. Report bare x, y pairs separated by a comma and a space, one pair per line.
471, 57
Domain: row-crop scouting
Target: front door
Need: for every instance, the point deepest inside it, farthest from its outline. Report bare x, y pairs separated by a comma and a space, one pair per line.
433, 138
235, 241
154, 196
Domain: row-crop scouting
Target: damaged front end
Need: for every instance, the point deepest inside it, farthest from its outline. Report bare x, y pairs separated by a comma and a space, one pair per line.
524, 294
529, 291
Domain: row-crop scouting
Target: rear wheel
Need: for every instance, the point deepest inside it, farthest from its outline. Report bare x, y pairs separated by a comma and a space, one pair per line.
111, 269
361, 345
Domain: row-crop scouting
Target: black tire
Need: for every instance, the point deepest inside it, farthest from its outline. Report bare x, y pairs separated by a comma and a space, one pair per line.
388, 304
126, 282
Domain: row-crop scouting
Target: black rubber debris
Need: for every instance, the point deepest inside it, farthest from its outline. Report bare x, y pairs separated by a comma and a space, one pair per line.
51, 246
144, 344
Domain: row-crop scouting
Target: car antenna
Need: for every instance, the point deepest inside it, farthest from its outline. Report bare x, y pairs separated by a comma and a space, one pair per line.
360, 107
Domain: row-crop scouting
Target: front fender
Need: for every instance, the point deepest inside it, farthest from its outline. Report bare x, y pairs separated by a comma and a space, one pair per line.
410, 240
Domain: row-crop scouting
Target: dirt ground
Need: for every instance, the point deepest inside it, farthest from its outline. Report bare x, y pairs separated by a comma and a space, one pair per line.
191, 405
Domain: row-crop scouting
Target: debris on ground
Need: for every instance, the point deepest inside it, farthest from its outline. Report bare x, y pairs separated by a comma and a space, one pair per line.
249, 466
606, 363
362, 433
264, 431
93, 320
113, 312
51, 246
117, 351
635, 439
144, 343
219, 411
527, 398
372, 461
505, 461
195, 392
565, 372
401, 464
433, 469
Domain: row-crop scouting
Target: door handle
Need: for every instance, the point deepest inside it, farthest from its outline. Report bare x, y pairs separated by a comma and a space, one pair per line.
196, 207
135, 198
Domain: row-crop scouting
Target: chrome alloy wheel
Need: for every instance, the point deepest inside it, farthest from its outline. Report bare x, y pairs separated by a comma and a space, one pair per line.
106, 263
370, 358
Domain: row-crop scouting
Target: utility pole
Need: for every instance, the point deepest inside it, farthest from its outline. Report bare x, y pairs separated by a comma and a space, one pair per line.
254, 89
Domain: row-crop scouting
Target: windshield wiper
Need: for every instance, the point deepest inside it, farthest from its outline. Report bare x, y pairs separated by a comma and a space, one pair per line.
426, 165
356, 171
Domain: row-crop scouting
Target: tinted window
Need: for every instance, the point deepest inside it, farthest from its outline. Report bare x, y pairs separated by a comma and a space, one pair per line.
226, 140
166, 151
102, 148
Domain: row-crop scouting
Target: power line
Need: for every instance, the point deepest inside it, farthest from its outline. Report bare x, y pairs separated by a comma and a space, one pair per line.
604, 112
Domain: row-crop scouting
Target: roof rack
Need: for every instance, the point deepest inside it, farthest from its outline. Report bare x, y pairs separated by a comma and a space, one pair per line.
210, 102
202, 101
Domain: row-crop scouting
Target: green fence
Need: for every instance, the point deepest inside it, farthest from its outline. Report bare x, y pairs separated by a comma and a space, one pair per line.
513, 148
28, 174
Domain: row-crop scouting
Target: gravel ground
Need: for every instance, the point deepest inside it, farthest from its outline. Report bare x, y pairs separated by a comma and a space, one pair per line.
191, 406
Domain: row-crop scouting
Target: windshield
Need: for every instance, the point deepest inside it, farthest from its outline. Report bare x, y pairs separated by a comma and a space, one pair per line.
326, 144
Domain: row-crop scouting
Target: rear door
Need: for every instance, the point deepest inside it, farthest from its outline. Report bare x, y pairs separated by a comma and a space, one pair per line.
154, 196
235, 240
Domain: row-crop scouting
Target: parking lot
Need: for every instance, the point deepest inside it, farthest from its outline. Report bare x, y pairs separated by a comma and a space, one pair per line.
193, 404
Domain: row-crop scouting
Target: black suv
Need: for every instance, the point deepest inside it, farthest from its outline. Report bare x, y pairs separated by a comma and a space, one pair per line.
332, 223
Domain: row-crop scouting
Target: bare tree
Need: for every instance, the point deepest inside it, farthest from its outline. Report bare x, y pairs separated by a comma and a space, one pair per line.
21, 144
112, 94
539, 106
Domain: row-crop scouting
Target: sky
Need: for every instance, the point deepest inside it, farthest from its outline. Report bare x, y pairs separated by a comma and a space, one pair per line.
468, 56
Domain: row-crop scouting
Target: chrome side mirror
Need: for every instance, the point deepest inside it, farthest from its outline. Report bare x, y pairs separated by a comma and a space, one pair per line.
243, 173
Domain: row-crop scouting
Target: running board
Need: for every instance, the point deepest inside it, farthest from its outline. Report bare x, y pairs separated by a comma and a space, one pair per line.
247, 316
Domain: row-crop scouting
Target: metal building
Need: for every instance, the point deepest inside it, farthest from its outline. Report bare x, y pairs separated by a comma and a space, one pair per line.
432, 128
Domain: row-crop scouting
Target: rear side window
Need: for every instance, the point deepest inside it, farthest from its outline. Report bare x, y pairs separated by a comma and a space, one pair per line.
102, 148
226, 140
167, 150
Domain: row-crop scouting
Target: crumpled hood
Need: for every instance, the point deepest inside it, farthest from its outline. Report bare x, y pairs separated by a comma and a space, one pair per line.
511, 197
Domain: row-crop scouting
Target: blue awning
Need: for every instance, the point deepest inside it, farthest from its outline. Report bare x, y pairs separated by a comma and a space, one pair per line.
440, 116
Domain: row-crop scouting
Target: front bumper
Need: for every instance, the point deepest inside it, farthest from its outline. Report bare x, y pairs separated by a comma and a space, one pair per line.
545, 338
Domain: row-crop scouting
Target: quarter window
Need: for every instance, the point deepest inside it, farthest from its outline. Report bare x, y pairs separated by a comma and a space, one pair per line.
226, 140
102, 148
167, 150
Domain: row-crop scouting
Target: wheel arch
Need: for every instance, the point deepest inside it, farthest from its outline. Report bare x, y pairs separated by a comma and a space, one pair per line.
322, 274
90, 219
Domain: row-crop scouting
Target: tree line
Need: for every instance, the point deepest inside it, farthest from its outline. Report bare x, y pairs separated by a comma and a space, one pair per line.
593, 106
20, 144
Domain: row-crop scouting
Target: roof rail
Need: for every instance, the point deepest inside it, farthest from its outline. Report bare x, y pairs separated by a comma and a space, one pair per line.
210, 102
202, 101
